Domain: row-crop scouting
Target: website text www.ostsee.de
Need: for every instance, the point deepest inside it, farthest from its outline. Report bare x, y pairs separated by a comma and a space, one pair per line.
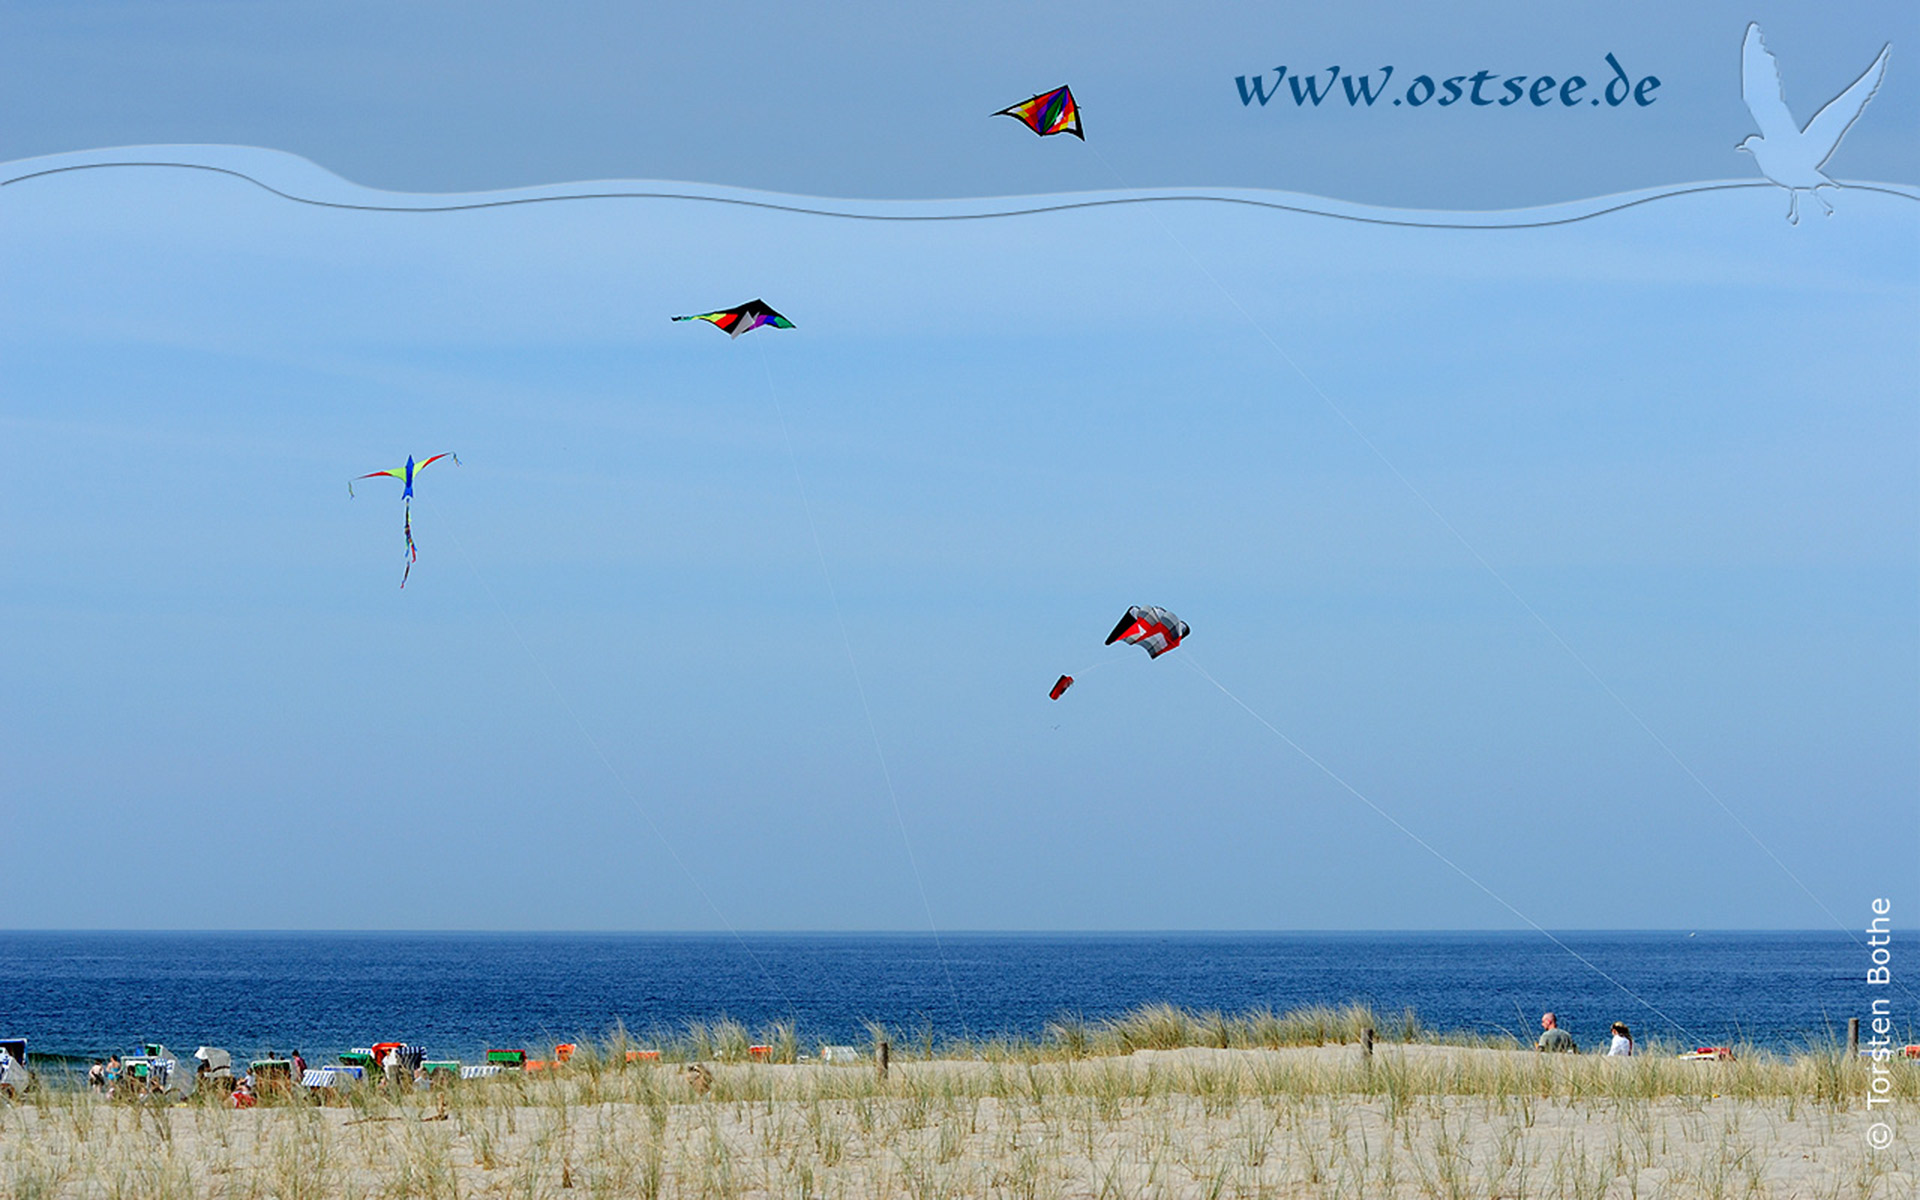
1613, 87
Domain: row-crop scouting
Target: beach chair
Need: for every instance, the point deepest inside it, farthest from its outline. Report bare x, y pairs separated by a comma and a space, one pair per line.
15, 1077
324, 1084
271, 1075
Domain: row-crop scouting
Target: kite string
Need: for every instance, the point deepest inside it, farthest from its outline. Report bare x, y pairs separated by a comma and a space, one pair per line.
1474, 552
1080, 673
859, 685
618, 778
1430, 848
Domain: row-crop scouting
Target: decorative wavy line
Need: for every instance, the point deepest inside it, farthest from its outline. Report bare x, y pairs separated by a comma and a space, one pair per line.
867, 210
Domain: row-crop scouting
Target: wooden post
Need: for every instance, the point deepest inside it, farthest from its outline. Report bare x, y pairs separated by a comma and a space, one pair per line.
1366, 1047
1853, 1037
880, 1059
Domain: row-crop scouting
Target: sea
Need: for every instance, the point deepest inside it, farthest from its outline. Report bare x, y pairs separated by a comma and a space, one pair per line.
75, 996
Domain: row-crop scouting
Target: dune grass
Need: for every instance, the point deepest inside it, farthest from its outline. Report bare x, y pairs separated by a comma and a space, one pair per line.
1155, 1103
1149, 1027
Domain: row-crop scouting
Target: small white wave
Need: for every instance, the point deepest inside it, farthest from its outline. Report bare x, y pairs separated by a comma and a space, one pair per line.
303, 181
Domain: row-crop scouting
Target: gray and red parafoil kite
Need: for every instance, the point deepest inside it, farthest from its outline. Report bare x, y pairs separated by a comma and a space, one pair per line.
1153, 629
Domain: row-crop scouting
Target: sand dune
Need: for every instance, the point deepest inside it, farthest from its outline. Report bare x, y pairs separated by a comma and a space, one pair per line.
1420, 1121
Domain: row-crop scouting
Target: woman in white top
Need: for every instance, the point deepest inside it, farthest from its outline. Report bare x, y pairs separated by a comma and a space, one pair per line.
1622, 1042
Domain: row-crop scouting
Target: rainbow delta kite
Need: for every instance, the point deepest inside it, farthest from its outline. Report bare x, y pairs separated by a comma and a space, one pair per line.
736, 321
1048, 113
405, 475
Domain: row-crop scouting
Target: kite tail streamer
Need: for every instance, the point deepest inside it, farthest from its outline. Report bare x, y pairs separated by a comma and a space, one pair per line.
413, 553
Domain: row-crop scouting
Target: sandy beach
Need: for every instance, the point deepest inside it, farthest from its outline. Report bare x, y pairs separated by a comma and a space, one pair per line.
1418, 1121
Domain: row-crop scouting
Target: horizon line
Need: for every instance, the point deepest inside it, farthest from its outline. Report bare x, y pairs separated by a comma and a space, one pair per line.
919, 933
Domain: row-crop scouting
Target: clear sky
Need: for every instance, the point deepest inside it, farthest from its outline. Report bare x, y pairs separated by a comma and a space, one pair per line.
1683, 434
889, 98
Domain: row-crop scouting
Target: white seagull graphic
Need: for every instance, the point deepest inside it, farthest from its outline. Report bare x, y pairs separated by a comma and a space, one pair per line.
1787, 154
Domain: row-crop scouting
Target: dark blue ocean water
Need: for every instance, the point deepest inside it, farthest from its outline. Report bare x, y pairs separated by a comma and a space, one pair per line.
458, 993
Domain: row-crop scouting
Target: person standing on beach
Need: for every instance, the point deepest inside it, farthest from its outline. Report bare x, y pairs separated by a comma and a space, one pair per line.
1554, 1038
1622, 1046
97, 1076
299, 1067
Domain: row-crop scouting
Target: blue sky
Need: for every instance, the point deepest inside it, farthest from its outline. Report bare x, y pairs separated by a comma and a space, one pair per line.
875, 98
1683, 434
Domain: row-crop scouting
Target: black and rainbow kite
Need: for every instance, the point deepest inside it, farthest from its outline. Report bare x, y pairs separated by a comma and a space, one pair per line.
1048, 113
736, 321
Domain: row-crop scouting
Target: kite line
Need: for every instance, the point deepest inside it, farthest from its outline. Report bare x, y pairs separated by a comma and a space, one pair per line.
745, 318
1430, 848
859, 684
619, 778
1473, 551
